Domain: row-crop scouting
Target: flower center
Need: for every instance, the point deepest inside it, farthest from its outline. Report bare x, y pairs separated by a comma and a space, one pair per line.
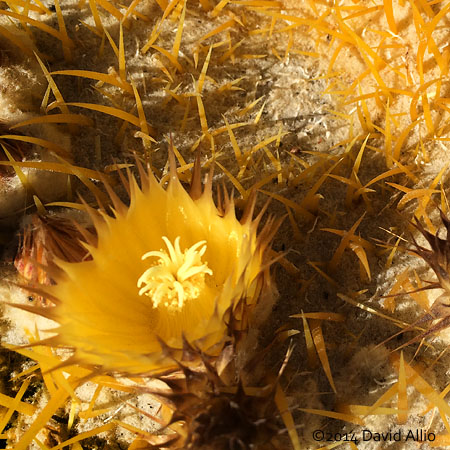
177, 277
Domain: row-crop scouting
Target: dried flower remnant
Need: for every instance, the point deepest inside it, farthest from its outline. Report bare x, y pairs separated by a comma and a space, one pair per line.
43, 240
438, 258
210, 407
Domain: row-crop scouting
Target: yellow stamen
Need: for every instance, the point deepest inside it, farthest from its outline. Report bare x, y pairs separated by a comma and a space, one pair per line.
177, 277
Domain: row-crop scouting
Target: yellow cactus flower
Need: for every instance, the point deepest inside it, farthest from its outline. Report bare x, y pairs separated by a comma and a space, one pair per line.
169, 269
